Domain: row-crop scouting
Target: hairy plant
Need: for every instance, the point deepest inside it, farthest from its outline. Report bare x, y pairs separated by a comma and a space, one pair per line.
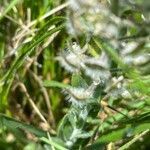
108, 76
105, 54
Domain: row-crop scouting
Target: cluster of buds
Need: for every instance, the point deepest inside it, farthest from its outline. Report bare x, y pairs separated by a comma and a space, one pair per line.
75, 60
94, 18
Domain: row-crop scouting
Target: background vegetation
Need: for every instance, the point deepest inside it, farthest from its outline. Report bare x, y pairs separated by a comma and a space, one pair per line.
74, 74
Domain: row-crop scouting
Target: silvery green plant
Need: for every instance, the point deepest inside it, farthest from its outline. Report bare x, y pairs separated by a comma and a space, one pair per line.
92, 77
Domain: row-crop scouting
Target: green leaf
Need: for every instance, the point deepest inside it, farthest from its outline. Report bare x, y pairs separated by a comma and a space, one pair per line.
136, 138
54, 144
18, 126
78, 81
33, 146
118, 134
51, 83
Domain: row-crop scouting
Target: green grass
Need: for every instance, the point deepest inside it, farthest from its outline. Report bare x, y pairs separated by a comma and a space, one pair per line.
34, 112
